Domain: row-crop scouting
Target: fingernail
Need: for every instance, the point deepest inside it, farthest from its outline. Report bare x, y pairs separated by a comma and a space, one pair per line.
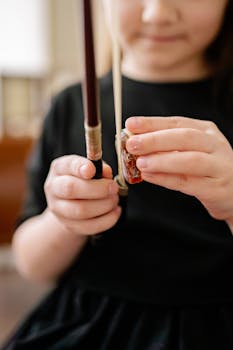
113, 188
135, 121
134, 144
141, 163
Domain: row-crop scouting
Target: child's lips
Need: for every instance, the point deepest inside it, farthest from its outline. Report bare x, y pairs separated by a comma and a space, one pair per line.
162, 38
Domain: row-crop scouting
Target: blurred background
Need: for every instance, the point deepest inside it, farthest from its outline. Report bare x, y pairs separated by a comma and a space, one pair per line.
40, 54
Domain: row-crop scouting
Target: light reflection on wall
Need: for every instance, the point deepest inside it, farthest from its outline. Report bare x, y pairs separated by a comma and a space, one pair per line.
40, 45
24, 37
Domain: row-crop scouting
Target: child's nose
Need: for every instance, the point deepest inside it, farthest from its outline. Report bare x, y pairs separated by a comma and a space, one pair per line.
159, 11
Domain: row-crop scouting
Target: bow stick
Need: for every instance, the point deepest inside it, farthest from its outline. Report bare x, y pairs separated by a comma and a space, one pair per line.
117, 89
89, 88
91, 104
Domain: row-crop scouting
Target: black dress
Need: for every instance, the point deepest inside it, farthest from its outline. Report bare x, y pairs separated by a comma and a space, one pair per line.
162, 278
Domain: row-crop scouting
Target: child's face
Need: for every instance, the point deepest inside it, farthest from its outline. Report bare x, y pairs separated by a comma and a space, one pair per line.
160, 37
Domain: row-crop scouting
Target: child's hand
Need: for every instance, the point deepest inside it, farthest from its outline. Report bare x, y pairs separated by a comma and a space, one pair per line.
187, 155
84, 206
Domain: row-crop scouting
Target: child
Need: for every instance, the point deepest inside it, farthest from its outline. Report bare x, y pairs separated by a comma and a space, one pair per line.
163, 278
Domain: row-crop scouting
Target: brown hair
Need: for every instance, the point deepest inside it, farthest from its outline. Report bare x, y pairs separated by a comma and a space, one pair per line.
220, 54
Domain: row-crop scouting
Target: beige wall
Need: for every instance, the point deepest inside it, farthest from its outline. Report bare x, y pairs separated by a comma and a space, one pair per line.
65, 58
25, 99
66, 41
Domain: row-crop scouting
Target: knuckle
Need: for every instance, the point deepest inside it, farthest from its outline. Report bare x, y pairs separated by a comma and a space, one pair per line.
188, 133
222, 142
182, 181
210, 125
53, 207
210, 197
176, 121
65, 211
79, 211
54, 165
48, 185
154, 140
67, 187
74, 163
195, 160
53, 210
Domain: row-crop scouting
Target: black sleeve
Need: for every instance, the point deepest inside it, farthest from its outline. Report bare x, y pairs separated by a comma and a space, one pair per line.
62, 133
38, 167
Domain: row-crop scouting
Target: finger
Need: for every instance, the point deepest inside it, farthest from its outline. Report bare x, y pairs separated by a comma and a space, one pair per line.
78, 166
189, 185
107, 171
73, 165
70, 187
84, 209
188, 163
98, 224
183, 139
138, 125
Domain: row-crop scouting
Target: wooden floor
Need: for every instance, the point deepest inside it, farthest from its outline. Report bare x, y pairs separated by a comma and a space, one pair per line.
17, 297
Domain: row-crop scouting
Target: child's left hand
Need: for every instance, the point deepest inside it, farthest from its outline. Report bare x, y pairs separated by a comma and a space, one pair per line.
187, 155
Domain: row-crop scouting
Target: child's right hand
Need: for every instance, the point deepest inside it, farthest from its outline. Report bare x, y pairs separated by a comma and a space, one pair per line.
84, 206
